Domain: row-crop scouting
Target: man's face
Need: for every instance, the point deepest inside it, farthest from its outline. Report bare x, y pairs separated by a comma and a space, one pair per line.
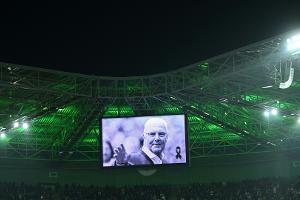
107, 154
155, 138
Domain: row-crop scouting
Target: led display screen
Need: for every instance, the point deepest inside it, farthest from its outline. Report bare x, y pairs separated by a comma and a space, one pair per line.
144, 141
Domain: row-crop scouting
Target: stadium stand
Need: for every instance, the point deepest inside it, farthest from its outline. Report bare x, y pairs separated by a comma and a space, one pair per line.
268, 188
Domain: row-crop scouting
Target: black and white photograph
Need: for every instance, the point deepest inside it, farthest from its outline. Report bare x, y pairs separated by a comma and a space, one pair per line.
146, 140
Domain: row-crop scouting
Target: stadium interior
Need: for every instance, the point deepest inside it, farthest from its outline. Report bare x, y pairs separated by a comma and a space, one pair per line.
243, 122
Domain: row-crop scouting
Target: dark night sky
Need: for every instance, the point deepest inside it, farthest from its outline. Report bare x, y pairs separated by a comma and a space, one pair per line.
135, 39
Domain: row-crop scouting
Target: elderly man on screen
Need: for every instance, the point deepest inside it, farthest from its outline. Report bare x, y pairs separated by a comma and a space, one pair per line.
155, 137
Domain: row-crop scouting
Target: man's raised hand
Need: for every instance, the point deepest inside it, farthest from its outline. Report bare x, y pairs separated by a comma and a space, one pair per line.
120, 155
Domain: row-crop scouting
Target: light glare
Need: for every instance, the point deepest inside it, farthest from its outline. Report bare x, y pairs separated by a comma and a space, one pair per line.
274, 111
16, 124
25, 125
2, 135
293, 43
266, 113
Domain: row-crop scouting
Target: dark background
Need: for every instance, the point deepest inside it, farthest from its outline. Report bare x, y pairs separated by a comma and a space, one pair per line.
125, 39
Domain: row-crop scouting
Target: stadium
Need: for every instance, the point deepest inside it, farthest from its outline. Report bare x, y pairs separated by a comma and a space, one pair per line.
242, 112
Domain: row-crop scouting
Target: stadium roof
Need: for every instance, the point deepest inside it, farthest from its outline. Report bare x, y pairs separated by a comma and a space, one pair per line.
224, 97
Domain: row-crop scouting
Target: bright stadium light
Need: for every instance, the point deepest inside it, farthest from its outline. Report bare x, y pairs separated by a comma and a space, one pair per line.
298, 120
274, 111
293, 44
16, 124
2, 135
25, 125
266, 113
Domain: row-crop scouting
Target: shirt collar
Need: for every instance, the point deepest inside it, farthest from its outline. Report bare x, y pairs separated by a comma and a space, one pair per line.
155, 159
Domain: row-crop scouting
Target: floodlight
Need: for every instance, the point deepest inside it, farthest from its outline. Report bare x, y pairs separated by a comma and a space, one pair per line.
266, 113
16, 124
274, 111
293, 43
299, 120
25, 125
2, 135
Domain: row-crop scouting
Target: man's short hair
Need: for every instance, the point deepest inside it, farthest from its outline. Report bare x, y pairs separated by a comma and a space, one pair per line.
155, 121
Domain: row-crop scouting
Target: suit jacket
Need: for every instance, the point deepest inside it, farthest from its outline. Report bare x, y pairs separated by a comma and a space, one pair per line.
141, 158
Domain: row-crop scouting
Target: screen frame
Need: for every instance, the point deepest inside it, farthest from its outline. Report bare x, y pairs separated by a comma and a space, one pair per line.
187, 163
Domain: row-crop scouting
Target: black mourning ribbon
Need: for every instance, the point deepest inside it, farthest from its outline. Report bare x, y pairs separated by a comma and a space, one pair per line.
178, 150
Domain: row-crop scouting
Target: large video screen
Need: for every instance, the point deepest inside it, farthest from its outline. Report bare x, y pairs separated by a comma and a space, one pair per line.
144, 141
